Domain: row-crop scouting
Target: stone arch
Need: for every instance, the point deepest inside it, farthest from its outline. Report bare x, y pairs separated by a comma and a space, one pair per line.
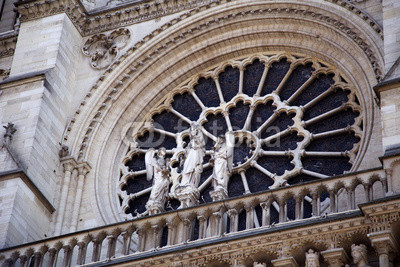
137, 81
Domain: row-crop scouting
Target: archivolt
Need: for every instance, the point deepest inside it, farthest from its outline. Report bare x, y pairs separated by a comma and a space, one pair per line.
170, 55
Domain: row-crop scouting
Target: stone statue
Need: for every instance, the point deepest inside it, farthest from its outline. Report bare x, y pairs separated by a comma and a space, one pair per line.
359, 254
195, 151
157, 169
312, 258
223, 164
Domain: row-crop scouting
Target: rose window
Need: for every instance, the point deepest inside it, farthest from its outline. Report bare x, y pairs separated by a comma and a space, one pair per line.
294, 119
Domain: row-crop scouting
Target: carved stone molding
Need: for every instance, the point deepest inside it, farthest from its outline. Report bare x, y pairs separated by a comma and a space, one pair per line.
336, 257
104, 49
90, 22
144, 61
382, 214
7, 49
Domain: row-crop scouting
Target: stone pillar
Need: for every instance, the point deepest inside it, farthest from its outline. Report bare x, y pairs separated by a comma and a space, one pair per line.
202, 226
234, 220
24, 261
141, 239
96, 249
127, 237
68, 165
332, 201
315, 206
83, 169
266, 214
298, 210
82, 248
171, 233
155, 229
282, 211
385, 246
335, 257
249, 216
67, 256
53, 253
111, 246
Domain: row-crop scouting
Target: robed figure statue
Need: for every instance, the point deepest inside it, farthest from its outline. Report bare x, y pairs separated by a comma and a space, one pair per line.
223, 165
157, 169
194, 154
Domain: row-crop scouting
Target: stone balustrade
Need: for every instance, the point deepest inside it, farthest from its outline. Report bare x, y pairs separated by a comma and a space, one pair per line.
173, 228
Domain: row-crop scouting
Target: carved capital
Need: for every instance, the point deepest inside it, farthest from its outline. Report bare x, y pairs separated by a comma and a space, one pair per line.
83, 168
335, 257
68, 164
285, 262
383, 242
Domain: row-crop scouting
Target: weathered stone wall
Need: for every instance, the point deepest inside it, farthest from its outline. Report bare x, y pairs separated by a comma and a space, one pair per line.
41, 105
24, 218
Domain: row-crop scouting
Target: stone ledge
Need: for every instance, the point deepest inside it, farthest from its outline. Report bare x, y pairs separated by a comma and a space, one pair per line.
21, 79
19, 173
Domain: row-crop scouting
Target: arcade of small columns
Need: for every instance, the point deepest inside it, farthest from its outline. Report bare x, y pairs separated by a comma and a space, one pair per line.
286, 243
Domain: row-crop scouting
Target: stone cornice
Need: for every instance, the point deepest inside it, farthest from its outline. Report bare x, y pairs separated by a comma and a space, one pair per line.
95, 21
276, 242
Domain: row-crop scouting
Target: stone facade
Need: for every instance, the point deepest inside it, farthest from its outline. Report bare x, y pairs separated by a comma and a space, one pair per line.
79, 76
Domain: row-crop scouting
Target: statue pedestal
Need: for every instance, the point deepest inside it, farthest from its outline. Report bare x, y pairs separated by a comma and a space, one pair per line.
219, 194
188, 195
154, 207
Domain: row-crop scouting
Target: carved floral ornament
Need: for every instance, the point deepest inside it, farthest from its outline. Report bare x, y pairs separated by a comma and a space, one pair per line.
104, 49
293, 119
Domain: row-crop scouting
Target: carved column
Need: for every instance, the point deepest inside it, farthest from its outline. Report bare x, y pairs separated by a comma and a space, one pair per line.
83, 169
111, 246
127, 237
234, 220
186, 230
315, 206
266, 214
155, 229
215, 224
23, 261
367, 189
68, 165
82, 248
249, 216
96, 249
350, 202
332, 201
171, 233
53, 253
202, 226
67, 256
38, 259
282, 211
389, 182
335, 257
141, 239
298, 207
385, 246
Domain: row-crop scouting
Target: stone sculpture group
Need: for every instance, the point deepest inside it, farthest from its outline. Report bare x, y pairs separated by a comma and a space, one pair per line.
159, 169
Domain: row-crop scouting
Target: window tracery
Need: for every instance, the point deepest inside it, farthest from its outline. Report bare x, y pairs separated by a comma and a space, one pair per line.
294, 119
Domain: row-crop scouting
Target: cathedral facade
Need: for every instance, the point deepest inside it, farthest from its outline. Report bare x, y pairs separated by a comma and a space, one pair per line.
200, 133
